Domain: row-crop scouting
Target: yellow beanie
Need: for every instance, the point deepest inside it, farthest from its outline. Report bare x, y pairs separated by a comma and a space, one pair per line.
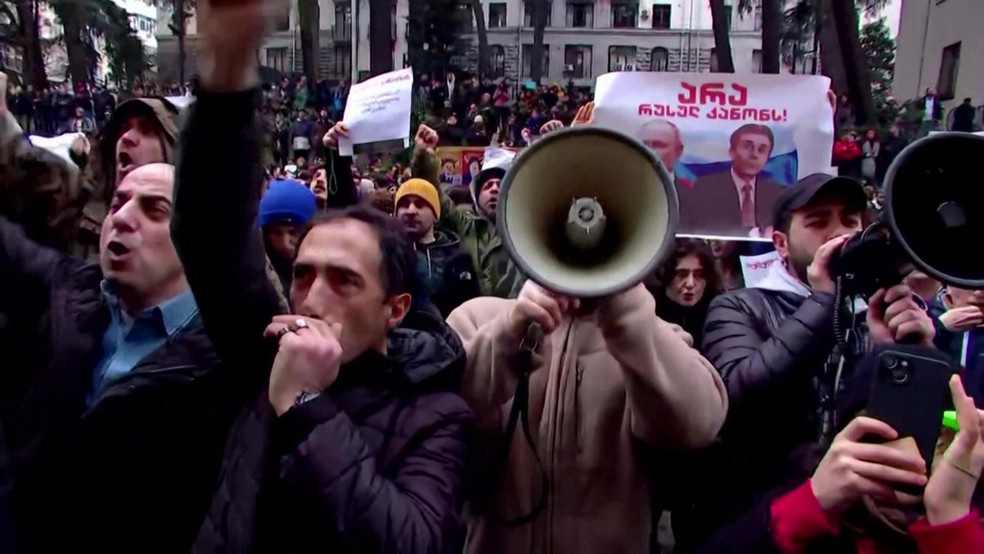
423, 189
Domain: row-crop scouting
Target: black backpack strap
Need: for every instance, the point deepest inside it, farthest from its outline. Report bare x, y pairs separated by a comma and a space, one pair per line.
520, 414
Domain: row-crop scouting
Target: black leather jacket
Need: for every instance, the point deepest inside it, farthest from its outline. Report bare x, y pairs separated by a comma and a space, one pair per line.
771, 349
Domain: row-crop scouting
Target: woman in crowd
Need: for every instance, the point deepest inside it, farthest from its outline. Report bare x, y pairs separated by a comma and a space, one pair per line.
870, 150
685, 284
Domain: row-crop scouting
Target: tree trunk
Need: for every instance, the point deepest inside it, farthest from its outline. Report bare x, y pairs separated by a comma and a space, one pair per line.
32, 65
772, 22
842, 58
541, 10
483, 39
69, 13
307, 19
380, 37
855, 62
179, 27
722, 37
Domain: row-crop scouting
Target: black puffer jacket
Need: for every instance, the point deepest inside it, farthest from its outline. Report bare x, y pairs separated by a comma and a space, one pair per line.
131, 473
447, 272
376, 463
771, 349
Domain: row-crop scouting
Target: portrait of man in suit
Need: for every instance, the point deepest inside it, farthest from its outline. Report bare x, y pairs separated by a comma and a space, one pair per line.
739, 200
663, 138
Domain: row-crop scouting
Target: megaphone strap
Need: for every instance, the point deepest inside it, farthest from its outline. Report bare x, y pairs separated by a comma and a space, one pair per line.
520, 412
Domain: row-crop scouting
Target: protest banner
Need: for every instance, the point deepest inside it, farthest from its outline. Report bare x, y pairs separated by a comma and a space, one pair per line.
730, 142
460, 164
378, 110
755, 268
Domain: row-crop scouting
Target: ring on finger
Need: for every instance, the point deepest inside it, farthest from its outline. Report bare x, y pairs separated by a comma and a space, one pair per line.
298, 324
283, 331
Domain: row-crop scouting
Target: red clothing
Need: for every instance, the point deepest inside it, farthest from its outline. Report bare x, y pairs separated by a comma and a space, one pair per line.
797, 520
846, 150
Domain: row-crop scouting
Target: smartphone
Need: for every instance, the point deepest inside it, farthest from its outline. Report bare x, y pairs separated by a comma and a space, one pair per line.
910, 391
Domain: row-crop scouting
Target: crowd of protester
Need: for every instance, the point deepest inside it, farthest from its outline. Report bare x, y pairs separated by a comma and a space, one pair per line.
224, 336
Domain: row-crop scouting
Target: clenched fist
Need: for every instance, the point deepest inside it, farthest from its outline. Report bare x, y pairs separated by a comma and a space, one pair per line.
536, 304
309, 358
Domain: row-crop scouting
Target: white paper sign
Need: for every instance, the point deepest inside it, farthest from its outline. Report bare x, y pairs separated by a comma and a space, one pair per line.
755, 268
731, 142
378, 110
60, 145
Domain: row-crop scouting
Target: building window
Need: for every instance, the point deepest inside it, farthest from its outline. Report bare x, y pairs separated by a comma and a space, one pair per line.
277, 59
528, 58
580, 15
758, 17
756, 61
729, 11
497, 61
528, 8
625, 16
714, 60
343, 22
621, 58
660, 59
946, 85
281, 21
497, 15
661, 16
577, 62
341, 62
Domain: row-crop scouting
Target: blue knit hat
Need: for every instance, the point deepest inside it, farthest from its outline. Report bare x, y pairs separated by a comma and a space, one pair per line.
287, 200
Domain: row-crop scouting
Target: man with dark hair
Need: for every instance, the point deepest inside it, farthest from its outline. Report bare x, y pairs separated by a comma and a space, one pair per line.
355, 440
737, 200
775, 347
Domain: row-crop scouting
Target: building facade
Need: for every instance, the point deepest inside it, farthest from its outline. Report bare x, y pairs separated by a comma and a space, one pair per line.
583, 39
586, 38
940, 45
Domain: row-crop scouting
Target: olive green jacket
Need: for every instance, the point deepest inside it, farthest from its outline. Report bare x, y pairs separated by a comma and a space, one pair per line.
499, 275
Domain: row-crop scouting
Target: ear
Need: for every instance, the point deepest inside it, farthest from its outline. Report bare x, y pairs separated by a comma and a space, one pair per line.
781, 242
397, 307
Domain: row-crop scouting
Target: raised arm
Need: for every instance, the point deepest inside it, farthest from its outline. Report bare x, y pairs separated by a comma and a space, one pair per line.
214, 228
426, 165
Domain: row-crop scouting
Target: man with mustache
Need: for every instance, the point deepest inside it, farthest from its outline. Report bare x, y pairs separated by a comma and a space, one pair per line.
442, 263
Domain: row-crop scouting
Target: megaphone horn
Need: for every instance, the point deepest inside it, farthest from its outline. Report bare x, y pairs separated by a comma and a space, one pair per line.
934, 206
587, 211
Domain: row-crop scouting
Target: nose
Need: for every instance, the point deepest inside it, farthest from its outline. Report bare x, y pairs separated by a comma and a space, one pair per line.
689, 282
315, 303
131, 137
125, 218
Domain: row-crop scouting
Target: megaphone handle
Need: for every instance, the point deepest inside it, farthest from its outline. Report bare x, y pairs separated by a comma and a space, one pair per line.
531, 340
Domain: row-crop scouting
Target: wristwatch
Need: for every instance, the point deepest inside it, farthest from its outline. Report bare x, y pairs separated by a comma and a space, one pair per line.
306, 397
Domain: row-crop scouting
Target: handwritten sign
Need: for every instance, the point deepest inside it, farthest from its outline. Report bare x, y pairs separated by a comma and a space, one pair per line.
378, 110
60, 145
755, 268
730, 142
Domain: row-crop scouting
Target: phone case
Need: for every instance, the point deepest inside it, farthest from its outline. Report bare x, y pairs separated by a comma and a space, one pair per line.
910, 392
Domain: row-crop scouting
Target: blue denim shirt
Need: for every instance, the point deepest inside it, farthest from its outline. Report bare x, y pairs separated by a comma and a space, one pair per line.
128, 340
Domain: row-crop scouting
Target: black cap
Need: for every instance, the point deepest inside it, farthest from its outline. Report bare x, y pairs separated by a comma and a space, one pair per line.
802, 192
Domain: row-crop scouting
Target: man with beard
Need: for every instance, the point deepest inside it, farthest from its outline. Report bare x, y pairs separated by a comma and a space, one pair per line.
442, 263
774, 345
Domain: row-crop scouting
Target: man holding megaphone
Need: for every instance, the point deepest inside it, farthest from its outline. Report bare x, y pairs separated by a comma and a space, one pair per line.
605, 381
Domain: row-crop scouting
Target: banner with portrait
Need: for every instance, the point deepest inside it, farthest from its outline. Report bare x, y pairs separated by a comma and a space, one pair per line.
459, 164
730, 142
